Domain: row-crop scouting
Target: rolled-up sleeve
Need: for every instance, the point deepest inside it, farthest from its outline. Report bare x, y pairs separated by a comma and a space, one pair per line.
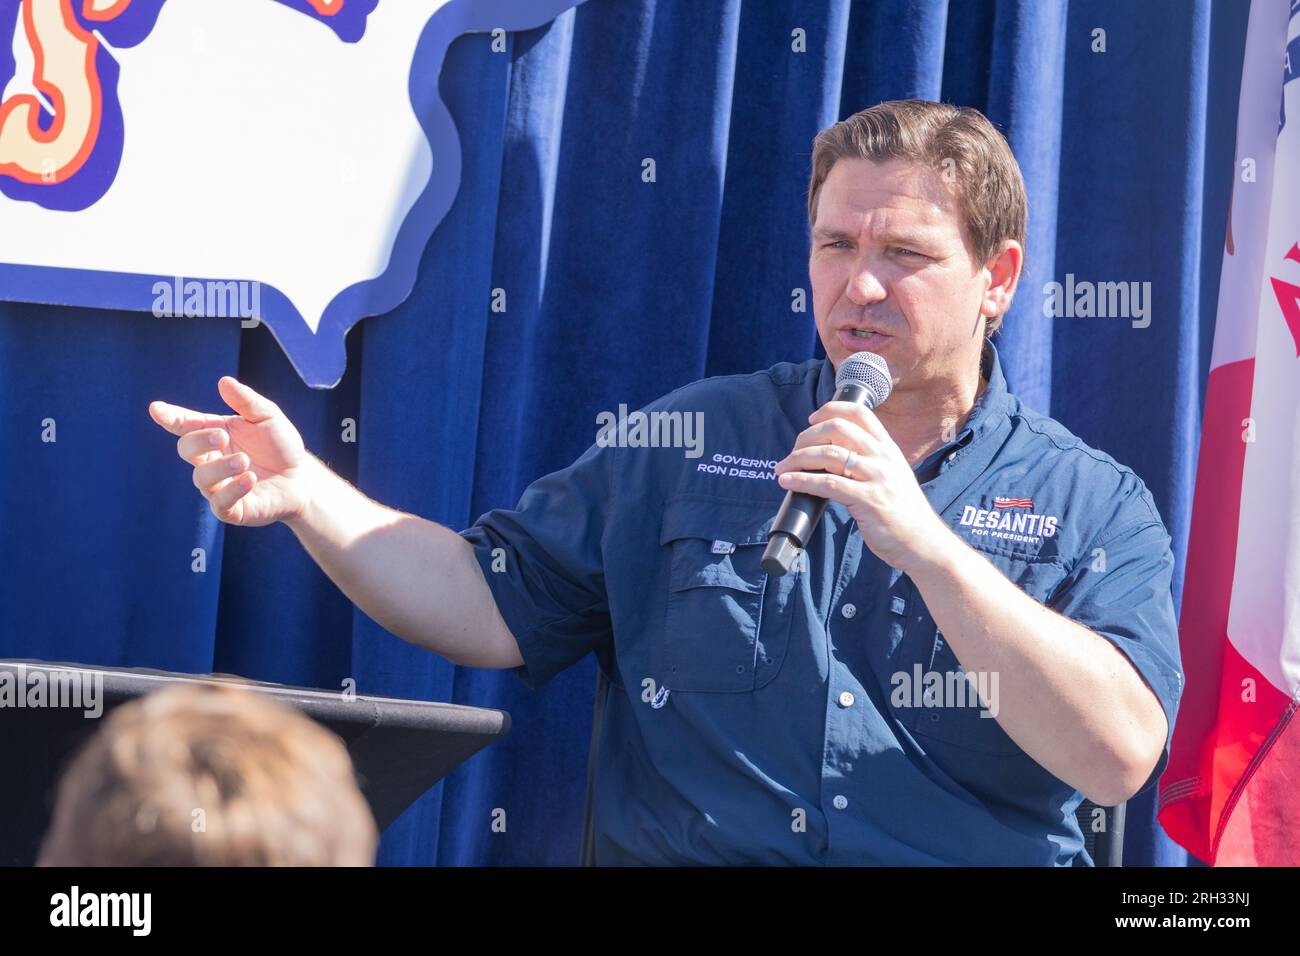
543, 563
1121, 589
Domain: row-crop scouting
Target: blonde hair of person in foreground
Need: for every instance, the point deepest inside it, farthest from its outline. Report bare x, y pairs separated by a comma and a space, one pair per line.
210, 775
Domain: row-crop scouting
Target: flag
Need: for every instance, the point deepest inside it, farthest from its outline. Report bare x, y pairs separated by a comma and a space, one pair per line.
1231, 791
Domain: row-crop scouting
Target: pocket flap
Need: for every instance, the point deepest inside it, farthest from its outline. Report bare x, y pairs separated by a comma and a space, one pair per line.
717, 519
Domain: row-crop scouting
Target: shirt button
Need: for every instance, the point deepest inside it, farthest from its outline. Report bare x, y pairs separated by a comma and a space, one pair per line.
952, 455
846, 699
840, 801
848, 610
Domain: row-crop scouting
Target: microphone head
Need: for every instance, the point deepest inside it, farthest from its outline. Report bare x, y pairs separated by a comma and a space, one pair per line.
868, 370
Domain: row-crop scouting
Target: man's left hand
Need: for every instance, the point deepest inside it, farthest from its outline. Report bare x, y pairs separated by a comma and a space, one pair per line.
846, 455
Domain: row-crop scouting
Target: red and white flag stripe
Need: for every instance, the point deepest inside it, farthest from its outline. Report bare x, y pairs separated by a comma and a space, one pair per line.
1231, 791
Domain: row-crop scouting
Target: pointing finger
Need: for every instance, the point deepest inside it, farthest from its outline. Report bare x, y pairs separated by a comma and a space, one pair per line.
179, 420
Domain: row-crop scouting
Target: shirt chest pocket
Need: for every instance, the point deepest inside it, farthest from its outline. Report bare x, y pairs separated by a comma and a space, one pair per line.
960, 707
726, 624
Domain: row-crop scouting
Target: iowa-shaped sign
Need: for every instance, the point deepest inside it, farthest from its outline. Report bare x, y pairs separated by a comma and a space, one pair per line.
282, 161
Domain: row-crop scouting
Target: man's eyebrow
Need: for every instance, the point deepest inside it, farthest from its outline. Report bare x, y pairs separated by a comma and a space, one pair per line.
823, 232
888, 239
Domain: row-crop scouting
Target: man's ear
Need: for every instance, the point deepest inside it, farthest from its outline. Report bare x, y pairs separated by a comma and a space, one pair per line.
1003, 272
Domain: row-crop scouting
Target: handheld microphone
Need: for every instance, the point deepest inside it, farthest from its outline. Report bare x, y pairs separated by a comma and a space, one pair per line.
863, 377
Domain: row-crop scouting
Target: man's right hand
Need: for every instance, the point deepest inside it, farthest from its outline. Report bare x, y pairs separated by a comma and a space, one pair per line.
416, 578
251, 466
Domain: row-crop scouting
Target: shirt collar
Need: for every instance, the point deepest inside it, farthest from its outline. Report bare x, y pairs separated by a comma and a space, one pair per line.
984, 413
992, 403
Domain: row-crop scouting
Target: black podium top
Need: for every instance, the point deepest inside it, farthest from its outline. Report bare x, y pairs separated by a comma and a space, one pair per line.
400, 748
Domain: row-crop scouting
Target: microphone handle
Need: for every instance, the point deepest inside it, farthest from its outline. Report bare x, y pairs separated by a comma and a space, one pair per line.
801, 510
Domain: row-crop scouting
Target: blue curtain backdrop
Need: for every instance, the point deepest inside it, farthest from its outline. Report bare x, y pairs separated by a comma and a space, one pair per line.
617, 291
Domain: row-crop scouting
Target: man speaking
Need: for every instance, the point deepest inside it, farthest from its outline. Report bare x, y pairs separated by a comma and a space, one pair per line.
978, 634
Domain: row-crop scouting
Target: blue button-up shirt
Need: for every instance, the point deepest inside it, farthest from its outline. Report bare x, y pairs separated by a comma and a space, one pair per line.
765, 720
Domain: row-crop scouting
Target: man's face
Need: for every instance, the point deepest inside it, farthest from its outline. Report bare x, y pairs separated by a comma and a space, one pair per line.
890, 257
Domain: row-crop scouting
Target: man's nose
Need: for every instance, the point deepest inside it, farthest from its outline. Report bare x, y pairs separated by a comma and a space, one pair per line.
865, 286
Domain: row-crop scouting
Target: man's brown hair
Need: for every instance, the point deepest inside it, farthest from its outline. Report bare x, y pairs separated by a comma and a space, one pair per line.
958, 142
207, 775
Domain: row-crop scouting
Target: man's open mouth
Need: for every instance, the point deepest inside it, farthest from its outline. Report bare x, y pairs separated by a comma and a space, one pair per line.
861, 335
